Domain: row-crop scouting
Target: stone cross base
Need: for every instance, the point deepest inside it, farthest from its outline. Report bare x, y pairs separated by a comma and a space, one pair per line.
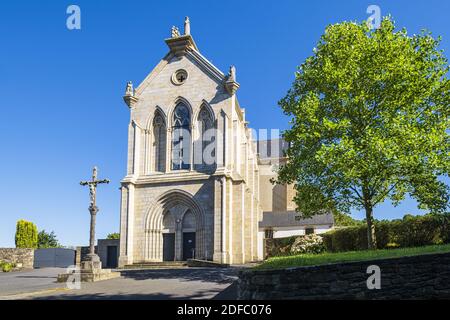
91, 265
88, 275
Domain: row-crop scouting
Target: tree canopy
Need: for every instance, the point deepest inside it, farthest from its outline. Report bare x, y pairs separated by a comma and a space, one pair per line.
26, 234
47, 240
114, 235
370, 118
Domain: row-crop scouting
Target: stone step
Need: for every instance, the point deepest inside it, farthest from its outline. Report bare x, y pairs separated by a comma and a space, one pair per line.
88, 275
206, 264
153, 265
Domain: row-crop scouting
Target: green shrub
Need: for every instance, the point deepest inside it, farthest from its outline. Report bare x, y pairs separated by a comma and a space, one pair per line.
26, 234
392, 245
445, 227
384, 232
417, 231
327, 239
411, 231
350, 239
346, 239
311, 243
6, 266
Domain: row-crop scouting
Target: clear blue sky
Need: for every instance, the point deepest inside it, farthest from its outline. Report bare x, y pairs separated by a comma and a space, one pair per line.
61, 91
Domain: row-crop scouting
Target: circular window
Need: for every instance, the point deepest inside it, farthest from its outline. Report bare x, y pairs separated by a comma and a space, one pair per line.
179, 77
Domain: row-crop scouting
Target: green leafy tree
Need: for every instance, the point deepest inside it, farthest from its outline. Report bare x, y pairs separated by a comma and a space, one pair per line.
343, 220
112, 236
370, 114
47, 240
26, 234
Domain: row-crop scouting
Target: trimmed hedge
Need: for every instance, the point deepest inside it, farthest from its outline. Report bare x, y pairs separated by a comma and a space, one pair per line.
26, 235
411, 231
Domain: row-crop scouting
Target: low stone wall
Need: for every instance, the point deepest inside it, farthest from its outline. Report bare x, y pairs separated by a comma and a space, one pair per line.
18, 256
417, 277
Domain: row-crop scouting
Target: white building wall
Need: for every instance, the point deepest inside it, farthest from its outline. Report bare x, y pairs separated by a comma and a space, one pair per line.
297, 231
260, 246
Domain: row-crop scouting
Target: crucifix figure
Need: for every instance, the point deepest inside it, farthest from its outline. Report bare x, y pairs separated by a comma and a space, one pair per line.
93, 209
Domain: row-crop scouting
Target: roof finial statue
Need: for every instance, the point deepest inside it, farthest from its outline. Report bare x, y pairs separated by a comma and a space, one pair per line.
175, 32
187, 26
232, 73
129, 97
230, 81
129, 91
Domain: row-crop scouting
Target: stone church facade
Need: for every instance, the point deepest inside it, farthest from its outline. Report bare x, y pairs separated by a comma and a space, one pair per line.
176, 203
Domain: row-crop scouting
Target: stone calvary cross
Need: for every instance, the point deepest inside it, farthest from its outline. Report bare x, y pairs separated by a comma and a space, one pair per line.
91, 266
92, 260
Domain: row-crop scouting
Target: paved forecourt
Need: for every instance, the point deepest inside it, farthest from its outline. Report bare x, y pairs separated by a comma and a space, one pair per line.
153, 284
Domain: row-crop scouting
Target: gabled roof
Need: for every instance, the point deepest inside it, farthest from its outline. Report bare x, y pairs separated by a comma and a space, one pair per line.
212, 69
293, 219
183, 46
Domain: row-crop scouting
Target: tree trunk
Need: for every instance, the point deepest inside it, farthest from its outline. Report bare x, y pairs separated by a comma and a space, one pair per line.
371, 237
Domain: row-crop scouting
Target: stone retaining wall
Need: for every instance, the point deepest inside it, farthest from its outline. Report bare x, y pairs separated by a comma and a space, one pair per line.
417, 277
18, 256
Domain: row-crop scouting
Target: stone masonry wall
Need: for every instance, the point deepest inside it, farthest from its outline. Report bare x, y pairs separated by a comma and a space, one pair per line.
81, 253
17, 256
417, 277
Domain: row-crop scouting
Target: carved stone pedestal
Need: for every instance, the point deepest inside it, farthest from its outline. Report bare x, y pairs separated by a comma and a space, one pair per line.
91, 262
91, 271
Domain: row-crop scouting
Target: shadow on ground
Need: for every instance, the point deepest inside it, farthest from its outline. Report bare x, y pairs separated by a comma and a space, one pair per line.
223, 282
204, 294
37, 277
220, 276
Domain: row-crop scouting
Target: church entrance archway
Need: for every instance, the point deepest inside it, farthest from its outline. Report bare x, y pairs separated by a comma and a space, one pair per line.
188, 245
168, 236
189, 232
174, 229
168, 246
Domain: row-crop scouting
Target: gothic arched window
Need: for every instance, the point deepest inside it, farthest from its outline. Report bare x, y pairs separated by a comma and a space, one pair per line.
159, 143
181, 138
207, 137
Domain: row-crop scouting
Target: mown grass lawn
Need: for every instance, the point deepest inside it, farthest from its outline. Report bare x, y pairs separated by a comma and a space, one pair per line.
325, 258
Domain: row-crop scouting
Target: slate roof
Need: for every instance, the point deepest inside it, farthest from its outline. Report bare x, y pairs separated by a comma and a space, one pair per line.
293, 219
